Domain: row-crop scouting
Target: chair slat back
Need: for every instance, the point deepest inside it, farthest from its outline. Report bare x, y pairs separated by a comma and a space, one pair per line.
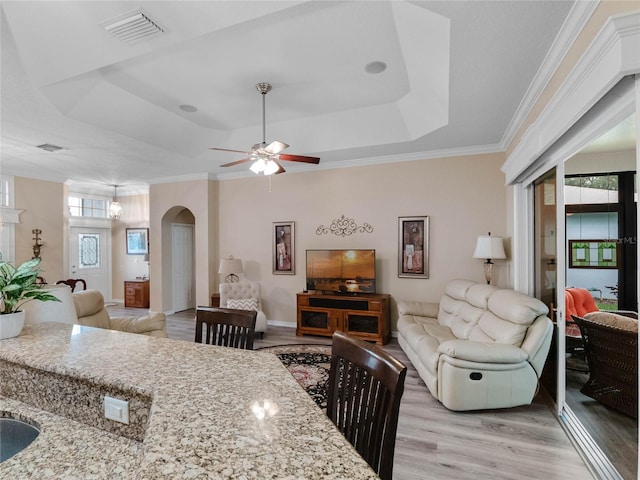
365, 388
72, 282
226, 327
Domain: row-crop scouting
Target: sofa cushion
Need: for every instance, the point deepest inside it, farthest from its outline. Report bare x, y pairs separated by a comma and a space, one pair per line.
423, 335
516, 307
423, 309
462, 324
482, 352
478, 295
449, 309
508, 318
461, 315
458, 289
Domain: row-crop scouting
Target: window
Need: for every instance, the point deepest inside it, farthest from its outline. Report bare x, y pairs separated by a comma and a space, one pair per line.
88, 207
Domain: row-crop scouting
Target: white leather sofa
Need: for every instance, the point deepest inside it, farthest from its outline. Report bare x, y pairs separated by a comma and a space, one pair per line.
478, 348
244, 296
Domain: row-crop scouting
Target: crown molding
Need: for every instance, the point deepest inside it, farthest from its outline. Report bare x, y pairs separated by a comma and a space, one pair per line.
613, 54
578, 16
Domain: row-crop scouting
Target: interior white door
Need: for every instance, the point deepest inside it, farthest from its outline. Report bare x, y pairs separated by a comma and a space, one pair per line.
90, 259
183, 269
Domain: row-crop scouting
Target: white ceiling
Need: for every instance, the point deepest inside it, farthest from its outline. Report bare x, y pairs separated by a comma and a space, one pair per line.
457, 72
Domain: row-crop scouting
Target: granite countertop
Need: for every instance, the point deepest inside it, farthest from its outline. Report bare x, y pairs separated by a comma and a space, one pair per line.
213, 412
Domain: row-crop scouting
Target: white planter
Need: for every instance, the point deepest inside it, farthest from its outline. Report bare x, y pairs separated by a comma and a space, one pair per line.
11, 324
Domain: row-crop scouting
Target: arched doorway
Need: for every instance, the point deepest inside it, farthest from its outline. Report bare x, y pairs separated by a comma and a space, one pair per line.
178, 232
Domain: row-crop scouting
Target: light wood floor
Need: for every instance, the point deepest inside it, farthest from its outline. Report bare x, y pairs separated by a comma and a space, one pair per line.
434, 443
614, 432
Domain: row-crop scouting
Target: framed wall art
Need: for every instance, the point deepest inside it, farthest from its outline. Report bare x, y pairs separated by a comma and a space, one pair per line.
413, 247
137, 241
283, 238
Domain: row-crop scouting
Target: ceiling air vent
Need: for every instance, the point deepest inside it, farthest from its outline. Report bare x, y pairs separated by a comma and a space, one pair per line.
50, 148
133, 28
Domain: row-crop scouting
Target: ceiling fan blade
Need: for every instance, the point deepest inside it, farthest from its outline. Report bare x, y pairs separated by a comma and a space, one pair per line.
275, 147
229, 150
299, 158
237, 162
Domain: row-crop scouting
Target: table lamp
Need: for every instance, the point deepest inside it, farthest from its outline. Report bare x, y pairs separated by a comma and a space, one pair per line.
490, 248
230, 267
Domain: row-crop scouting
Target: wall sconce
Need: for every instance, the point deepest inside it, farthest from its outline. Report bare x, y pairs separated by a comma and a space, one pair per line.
490, 248
37, 242
230, 267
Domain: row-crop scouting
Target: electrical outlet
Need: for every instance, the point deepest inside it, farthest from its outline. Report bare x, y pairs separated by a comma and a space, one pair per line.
116, 409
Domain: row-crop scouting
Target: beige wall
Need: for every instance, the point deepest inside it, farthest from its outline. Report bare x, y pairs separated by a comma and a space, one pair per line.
135, 214
166, 203
44, 207
463, 196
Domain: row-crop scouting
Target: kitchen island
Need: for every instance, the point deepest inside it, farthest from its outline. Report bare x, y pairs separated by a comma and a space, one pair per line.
196, 411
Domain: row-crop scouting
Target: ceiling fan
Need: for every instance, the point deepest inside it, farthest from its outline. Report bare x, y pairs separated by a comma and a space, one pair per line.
266, 158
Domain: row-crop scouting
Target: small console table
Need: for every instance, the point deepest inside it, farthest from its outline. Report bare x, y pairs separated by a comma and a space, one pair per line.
362, 316
136, 293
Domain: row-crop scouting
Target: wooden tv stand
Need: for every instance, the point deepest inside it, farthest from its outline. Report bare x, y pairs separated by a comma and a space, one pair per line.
362, 316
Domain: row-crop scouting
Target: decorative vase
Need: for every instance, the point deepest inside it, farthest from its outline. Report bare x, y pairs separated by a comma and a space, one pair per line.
11, 324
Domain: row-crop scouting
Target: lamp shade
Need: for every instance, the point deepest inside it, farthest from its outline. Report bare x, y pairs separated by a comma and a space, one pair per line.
489, 247
230, 265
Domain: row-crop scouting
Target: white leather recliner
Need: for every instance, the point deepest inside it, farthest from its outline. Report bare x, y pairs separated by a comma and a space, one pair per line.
244, 296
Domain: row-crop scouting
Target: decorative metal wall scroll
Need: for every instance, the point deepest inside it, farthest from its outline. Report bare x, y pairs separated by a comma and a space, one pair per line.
344, 227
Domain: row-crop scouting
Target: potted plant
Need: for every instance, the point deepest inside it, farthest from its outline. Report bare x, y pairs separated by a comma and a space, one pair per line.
17, 287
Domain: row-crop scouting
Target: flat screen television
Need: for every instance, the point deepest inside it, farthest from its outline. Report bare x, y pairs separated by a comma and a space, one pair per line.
350, 271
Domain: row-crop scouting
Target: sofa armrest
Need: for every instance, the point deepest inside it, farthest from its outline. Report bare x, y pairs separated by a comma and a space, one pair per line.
153, 324
420, 309
482, 352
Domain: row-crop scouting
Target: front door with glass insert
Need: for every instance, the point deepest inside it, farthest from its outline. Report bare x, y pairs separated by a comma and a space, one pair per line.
89, 258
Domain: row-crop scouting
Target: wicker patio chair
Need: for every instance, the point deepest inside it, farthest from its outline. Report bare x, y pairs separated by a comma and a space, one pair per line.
611, 347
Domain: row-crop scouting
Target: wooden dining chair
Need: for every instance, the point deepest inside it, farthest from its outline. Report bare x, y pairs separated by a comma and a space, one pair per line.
364, 392
72, 282
226, 327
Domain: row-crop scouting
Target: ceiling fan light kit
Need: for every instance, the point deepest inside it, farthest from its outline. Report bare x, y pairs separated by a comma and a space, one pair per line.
265, 157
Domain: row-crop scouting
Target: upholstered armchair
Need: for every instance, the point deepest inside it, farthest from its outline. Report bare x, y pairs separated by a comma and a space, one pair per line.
244, 296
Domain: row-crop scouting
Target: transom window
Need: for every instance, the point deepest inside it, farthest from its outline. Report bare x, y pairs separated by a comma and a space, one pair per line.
88, 207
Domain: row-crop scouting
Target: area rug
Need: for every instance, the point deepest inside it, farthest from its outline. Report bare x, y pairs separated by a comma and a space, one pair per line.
309, 365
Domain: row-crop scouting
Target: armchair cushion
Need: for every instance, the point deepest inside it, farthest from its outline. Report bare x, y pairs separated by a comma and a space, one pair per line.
90, 309
153, 324
613, 320
89, 305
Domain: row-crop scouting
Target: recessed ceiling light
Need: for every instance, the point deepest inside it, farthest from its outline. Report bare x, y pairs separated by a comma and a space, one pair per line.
375, 67
188, 108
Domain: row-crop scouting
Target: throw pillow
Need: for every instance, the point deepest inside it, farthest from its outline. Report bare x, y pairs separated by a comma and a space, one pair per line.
243, 304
